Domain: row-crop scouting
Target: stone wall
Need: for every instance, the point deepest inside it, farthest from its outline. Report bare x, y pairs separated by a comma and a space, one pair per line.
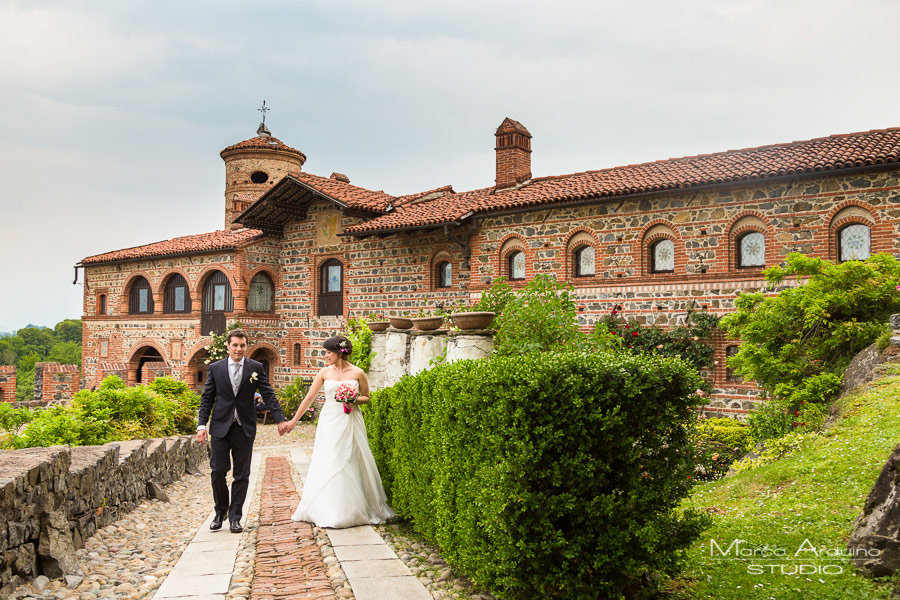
7, 383
53, 499
400, 352
54, 382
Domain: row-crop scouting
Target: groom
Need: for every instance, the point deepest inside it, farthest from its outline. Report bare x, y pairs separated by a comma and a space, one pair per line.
229, 393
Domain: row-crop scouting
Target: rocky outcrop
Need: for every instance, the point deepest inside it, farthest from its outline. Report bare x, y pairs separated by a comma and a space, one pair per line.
861, 369
53, 499
875, 541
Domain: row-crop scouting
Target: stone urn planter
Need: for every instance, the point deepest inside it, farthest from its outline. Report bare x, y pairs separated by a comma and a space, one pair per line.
472, 320
400, 322
378, 325
427, 323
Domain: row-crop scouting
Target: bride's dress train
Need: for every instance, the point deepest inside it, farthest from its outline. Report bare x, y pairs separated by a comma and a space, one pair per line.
343, 487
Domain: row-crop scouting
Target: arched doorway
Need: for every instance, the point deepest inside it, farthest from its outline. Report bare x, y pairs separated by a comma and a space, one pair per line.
197, 370
144, 355
266, 357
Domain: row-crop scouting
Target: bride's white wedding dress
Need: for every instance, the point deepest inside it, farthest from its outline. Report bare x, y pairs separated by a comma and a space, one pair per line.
343, 487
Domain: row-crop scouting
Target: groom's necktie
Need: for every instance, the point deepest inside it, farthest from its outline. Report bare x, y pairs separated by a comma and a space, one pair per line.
235, 384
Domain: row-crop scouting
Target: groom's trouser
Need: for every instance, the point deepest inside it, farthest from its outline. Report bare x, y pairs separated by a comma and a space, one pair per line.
237, 446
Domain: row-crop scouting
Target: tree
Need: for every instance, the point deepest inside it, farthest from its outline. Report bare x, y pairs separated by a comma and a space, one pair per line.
797, 344
67, 353
68, 330
36, 339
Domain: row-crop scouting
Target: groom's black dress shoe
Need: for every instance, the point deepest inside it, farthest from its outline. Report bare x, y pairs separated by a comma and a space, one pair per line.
217, 522
236, 527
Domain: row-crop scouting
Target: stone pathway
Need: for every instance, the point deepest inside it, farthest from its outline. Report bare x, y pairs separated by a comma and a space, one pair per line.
372, 568
166, 550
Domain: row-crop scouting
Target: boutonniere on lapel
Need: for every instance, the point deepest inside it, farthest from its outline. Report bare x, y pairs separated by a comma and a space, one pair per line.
253, 377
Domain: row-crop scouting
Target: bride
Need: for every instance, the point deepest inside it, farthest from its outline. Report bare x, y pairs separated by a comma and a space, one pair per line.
343, 487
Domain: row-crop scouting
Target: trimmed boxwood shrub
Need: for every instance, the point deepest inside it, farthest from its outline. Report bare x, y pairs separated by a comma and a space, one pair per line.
544, 475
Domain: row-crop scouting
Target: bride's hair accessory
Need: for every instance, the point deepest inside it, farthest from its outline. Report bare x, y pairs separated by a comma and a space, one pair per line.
347, 394
339, 344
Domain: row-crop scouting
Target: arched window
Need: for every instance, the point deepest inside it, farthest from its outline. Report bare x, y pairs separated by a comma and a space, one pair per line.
585, 264
176, 298
854, 242
261, 295
516, 265
298, 355
331, 288
662, 256
140, 301
751, 250
730, 375
444, 274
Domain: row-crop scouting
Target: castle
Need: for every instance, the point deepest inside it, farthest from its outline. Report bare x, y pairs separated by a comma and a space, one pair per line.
300, 253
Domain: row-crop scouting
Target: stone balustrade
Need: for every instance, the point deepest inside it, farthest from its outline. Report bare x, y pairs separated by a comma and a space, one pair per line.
53, 499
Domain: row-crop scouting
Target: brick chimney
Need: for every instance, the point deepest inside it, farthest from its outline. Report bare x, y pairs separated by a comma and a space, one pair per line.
513, 154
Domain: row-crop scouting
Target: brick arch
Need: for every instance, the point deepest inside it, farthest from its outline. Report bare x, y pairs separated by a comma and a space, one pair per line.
268, 270
586, 237
507, 245
880, 234
275, 354
164, 278
266, 346
194, 364
143, 343
438, 256
206, 272
276, 284
126, 290
648, 236
736, 229
135, 354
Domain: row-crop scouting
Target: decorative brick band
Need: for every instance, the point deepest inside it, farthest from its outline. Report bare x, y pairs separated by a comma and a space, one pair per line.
288, 561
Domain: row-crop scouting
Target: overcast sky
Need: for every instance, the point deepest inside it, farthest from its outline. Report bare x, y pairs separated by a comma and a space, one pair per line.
112, 114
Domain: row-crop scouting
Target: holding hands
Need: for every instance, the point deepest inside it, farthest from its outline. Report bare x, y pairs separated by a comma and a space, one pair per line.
285, 427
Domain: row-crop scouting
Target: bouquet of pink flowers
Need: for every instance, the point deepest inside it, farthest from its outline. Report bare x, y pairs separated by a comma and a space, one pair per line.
347, 394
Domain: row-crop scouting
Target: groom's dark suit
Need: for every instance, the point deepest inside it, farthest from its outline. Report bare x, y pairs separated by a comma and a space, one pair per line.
230, 434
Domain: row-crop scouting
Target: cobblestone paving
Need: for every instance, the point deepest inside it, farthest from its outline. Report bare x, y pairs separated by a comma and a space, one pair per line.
129, 559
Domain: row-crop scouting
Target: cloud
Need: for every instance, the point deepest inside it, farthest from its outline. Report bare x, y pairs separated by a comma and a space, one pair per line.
113, 113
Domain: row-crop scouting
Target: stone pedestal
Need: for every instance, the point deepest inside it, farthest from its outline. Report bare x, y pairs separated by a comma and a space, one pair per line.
400, 352
470, 344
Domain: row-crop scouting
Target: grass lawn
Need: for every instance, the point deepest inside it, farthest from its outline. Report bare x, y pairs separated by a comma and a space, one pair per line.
806, 501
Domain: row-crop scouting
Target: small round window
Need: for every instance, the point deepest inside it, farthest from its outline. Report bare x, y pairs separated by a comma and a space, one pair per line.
259, 177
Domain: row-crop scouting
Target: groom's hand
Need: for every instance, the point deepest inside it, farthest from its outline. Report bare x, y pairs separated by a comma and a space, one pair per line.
201, 436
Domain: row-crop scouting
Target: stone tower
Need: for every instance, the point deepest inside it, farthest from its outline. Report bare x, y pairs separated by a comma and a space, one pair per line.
252, 167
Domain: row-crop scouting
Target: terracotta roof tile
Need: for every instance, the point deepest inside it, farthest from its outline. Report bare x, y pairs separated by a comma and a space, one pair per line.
265, 142
424, 196
832, 153
346, 193
204, 242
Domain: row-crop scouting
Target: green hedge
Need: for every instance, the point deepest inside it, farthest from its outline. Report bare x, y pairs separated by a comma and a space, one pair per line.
544, 475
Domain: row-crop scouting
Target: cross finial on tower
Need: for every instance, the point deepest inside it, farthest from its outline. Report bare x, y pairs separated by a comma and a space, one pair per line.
263, 130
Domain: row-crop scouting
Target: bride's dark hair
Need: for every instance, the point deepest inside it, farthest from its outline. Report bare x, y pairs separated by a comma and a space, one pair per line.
339, 344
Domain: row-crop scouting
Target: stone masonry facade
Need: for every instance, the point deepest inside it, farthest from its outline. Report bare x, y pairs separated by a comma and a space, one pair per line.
388, 251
